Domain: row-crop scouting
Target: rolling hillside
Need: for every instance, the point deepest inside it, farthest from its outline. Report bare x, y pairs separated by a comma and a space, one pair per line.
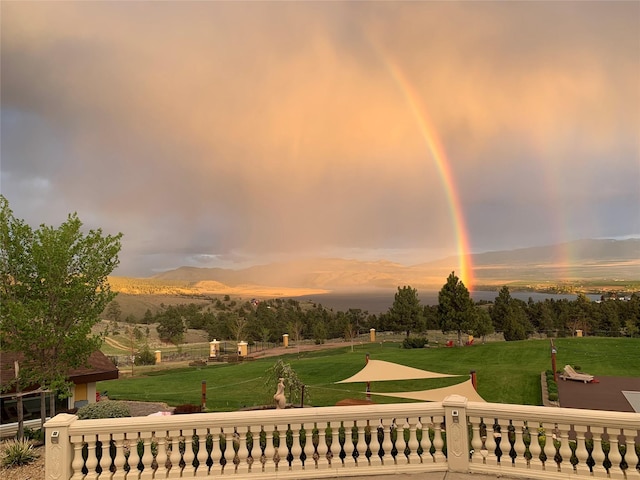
601, 261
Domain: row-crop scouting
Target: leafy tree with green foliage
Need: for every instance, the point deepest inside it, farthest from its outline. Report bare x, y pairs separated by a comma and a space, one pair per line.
484, 325
53, 289
456, 310
292, 382
509, 316
171, 327
406, 311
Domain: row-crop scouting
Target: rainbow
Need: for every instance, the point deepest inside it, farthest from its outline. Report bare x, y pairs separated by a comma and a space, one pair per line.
437, 152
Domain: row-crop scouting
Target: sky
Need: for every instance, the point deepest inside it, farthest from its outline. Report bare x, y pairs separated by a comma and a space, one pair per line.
226, 134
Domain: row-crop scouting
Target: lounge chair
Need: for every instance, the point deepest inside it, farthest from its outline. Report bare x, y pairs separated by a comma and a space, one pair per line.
570, 374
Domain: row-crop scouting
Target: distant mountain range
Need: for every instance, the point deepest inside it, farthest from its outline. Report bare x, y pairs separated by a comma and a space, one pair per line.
609, 260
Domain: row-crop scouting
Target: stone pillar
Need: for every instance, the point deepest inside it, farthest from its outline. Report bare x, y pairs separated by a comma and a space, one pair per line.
455, 408
372, 335
214, 348
58, 449
285, 340
158, 356
242, 349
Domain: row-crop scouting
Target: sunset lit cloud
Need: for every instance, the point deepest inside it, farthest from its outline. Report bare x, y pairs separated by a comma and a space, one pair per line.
232, 133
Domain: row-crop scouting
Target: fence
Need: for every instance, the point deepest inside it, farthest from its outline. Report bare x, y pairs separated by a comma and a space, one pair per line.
387, 439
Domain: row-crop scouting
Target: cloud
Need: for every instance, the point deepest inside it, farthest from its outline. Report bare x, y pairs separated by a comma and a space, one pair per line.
217, 130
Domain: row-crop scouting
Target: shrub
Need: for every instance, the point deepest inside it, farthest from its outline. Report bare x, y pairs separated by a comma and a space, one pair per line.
553, 396
145, 357
108, 409
36, 435
16, 453
414, 342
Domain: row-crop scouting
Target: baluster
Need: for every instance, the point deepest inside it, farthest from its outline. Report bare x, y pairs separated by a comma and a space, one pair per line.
308, 449
188, 456
374, 444
614, 455
162, 456
438, 442
92, 460
296, 449
269, 450
361, 443
216, 451
203, 455
582, 454
335, 459
632, 456
387, 443
348, 447
105, 460
134, 457
534, 446
491, 445
519, 445
323, 449
174, 457
413, 442
564, 450
476, 440
597, 453
120, 459
77, 462
147, 456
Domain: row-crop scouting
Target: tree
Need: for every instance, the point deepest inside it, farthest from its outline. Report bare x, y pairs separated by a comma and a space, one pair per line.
456, 310
171, 327
510, 316
53, 288
406, 310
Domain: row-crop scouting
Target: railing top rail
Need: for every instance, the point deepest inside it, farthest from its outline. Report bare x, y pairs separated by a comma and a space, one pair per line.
306, 416
570, 416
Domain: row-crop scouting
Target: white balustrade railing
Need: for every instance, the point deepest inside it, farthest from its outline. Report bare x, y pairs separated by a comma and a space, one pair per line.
454, 435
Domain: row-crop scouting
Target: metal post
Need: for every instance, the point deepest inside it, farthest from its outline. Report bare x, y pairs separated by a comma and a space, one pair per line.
204, 395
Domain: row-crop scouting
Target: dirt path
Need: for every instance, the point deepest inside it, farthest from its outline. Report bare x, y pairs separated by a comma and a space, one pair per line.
115, 344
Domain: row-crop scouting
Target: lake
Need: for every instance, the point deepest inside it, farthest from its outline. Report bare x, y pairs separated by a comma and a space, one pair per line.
379, 301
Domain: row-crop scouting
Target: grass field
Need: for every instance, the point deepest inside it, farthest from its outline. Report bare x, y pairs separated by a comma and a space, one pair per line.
507, 372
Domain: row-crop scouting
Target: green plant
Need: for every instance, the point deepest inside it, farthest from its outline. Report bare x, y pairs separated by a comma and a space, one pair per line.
414, 342
109, 409
145, 356
36, 435
18, 452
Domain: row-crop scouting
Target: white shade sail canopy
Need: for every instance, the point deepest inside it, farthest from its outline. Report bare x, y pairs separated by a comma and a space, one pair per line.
464, 389
379, 371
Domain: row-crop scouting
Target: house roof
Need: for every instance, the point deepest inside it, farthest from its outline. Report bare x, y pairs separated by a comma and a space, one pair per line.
99, 368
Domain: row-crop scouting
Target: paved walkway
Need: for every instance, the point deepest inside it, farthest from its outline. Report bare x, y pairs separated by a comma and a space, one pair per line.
431, 476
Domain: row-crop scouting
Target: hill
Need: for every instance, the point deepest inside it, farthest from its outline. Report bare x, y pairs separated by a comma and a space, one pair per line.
604, 260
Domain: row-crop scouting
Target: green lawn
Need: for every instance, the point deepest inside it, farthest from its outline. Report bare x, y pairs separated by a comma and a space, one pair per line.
507, 372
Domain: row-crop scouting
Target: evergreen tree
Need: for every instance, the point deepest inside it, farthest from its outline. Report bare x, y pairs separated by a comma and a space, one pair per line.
456, 310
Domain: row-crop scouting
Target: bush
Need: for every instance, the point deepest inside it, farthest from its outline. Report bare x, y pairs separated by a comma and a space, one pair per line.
553, 396
145, 357
16, 453
414, 342
108, 409
33, 434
